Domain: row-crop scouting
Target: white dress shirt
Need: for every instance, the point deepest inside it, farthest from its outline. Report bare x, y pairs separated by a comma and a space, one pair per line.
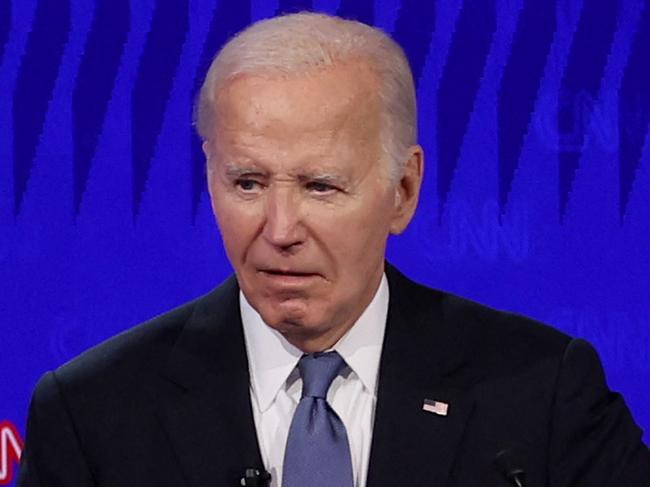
276, 385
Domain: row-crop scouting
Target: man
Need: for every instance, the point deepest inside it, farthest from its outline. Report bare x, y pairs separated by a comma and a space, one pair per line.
319, 363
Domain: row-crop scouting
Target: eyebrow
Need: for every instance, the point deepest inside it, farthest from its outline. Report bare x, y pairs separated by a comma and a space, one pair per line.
236, 170
329, 178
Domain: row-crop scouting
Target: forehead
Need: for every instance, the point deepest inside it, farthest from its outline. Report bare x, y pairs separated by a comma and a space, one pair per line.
321, 99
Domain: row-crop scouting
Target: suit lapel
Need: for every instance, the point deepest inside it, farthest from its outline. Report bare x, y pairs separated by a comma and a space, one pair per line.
205, 403
421, 359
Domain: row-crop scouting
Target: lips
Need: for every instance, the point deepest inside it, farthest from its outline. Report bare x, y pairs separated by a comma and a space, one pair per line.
287, 272
288, 277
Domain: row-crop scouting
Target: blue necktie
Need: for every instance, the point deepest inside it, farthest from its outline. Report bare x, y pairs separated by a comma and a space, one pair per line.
317, 452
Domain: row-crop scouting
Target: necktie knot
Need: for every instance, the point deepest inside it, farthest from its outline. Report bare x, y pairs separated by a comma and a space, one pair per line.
317, 371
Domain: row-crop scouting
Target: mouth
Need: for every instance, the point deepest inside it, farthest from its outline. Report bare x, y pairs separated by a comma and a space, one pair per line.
290, 273
288, 277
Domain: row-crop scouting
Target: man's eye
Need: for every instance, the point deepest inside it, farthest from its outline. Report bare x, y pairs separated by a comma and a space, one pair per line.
247, 184
318, 187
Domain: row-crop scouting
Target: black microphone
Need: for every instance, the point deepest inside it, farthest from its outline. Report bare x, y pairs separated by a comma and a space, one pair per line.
511, 466
254, 477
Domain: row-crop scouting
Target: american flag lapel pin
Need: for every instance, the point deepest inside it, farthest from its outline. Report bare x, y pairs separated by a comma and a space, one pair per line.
436, 407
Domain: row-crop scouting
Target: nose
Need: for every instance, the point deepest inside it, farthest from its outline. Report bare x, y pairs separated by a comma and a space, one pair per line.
283, 227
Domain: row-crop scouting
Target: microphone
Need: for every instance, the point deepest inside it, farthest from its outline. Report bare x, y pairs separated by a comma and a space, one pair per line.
254, 477
510, 465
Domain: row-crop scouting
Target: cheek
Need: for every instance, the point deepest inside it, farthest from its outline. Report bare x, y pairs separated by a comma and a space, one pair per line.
237, 227
356, 234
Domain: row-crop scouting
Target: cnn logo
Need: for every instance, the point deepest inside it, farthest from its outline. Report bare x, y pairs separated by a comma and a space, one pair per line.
11, 447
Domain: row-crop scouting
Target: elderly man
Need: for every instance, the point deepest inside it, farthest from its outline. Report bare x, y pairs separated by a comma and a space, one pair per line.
319, 364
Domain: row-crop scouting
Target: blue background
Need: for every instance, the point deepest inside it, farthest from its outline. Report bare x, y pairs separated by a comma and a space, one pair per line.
534, 116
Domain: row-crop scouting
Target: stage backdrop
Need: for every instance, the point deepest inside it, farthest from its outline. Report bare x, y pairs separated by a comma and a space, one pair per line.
534, 116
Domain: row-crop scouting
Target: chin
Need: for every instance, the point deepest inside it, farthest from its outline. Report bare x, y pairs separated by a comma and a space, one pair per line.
292, 323
289, 323
289, 307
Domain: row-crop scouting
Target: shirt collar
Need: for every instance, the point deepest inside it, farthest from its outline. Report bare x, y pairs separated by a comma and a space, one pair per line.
272, 358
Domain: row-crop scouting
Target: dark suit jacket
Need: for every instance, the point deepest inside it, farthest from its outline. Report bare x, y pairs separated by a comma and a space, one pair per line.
167, 403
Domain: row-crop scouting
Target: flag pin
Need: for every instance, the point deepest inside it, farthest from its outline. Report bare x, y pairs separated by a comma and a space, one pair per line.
436, 407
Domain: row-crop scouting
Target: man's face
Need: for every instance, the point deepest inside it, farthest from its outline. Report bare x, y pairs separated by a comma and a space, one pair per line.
303, 202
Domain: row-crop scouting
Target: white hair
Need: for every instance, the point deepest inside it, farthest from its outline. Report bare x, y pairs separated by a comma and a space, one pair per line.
297, 43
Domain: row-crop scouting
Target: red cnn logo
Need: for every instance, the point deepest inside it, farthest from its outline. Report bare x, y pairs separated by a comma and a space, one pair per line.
11, 447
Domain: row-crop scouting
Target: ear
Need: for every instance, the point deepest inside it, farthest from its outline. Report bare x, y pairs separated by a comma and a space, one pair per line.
209, 154
207, 150
407, 190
